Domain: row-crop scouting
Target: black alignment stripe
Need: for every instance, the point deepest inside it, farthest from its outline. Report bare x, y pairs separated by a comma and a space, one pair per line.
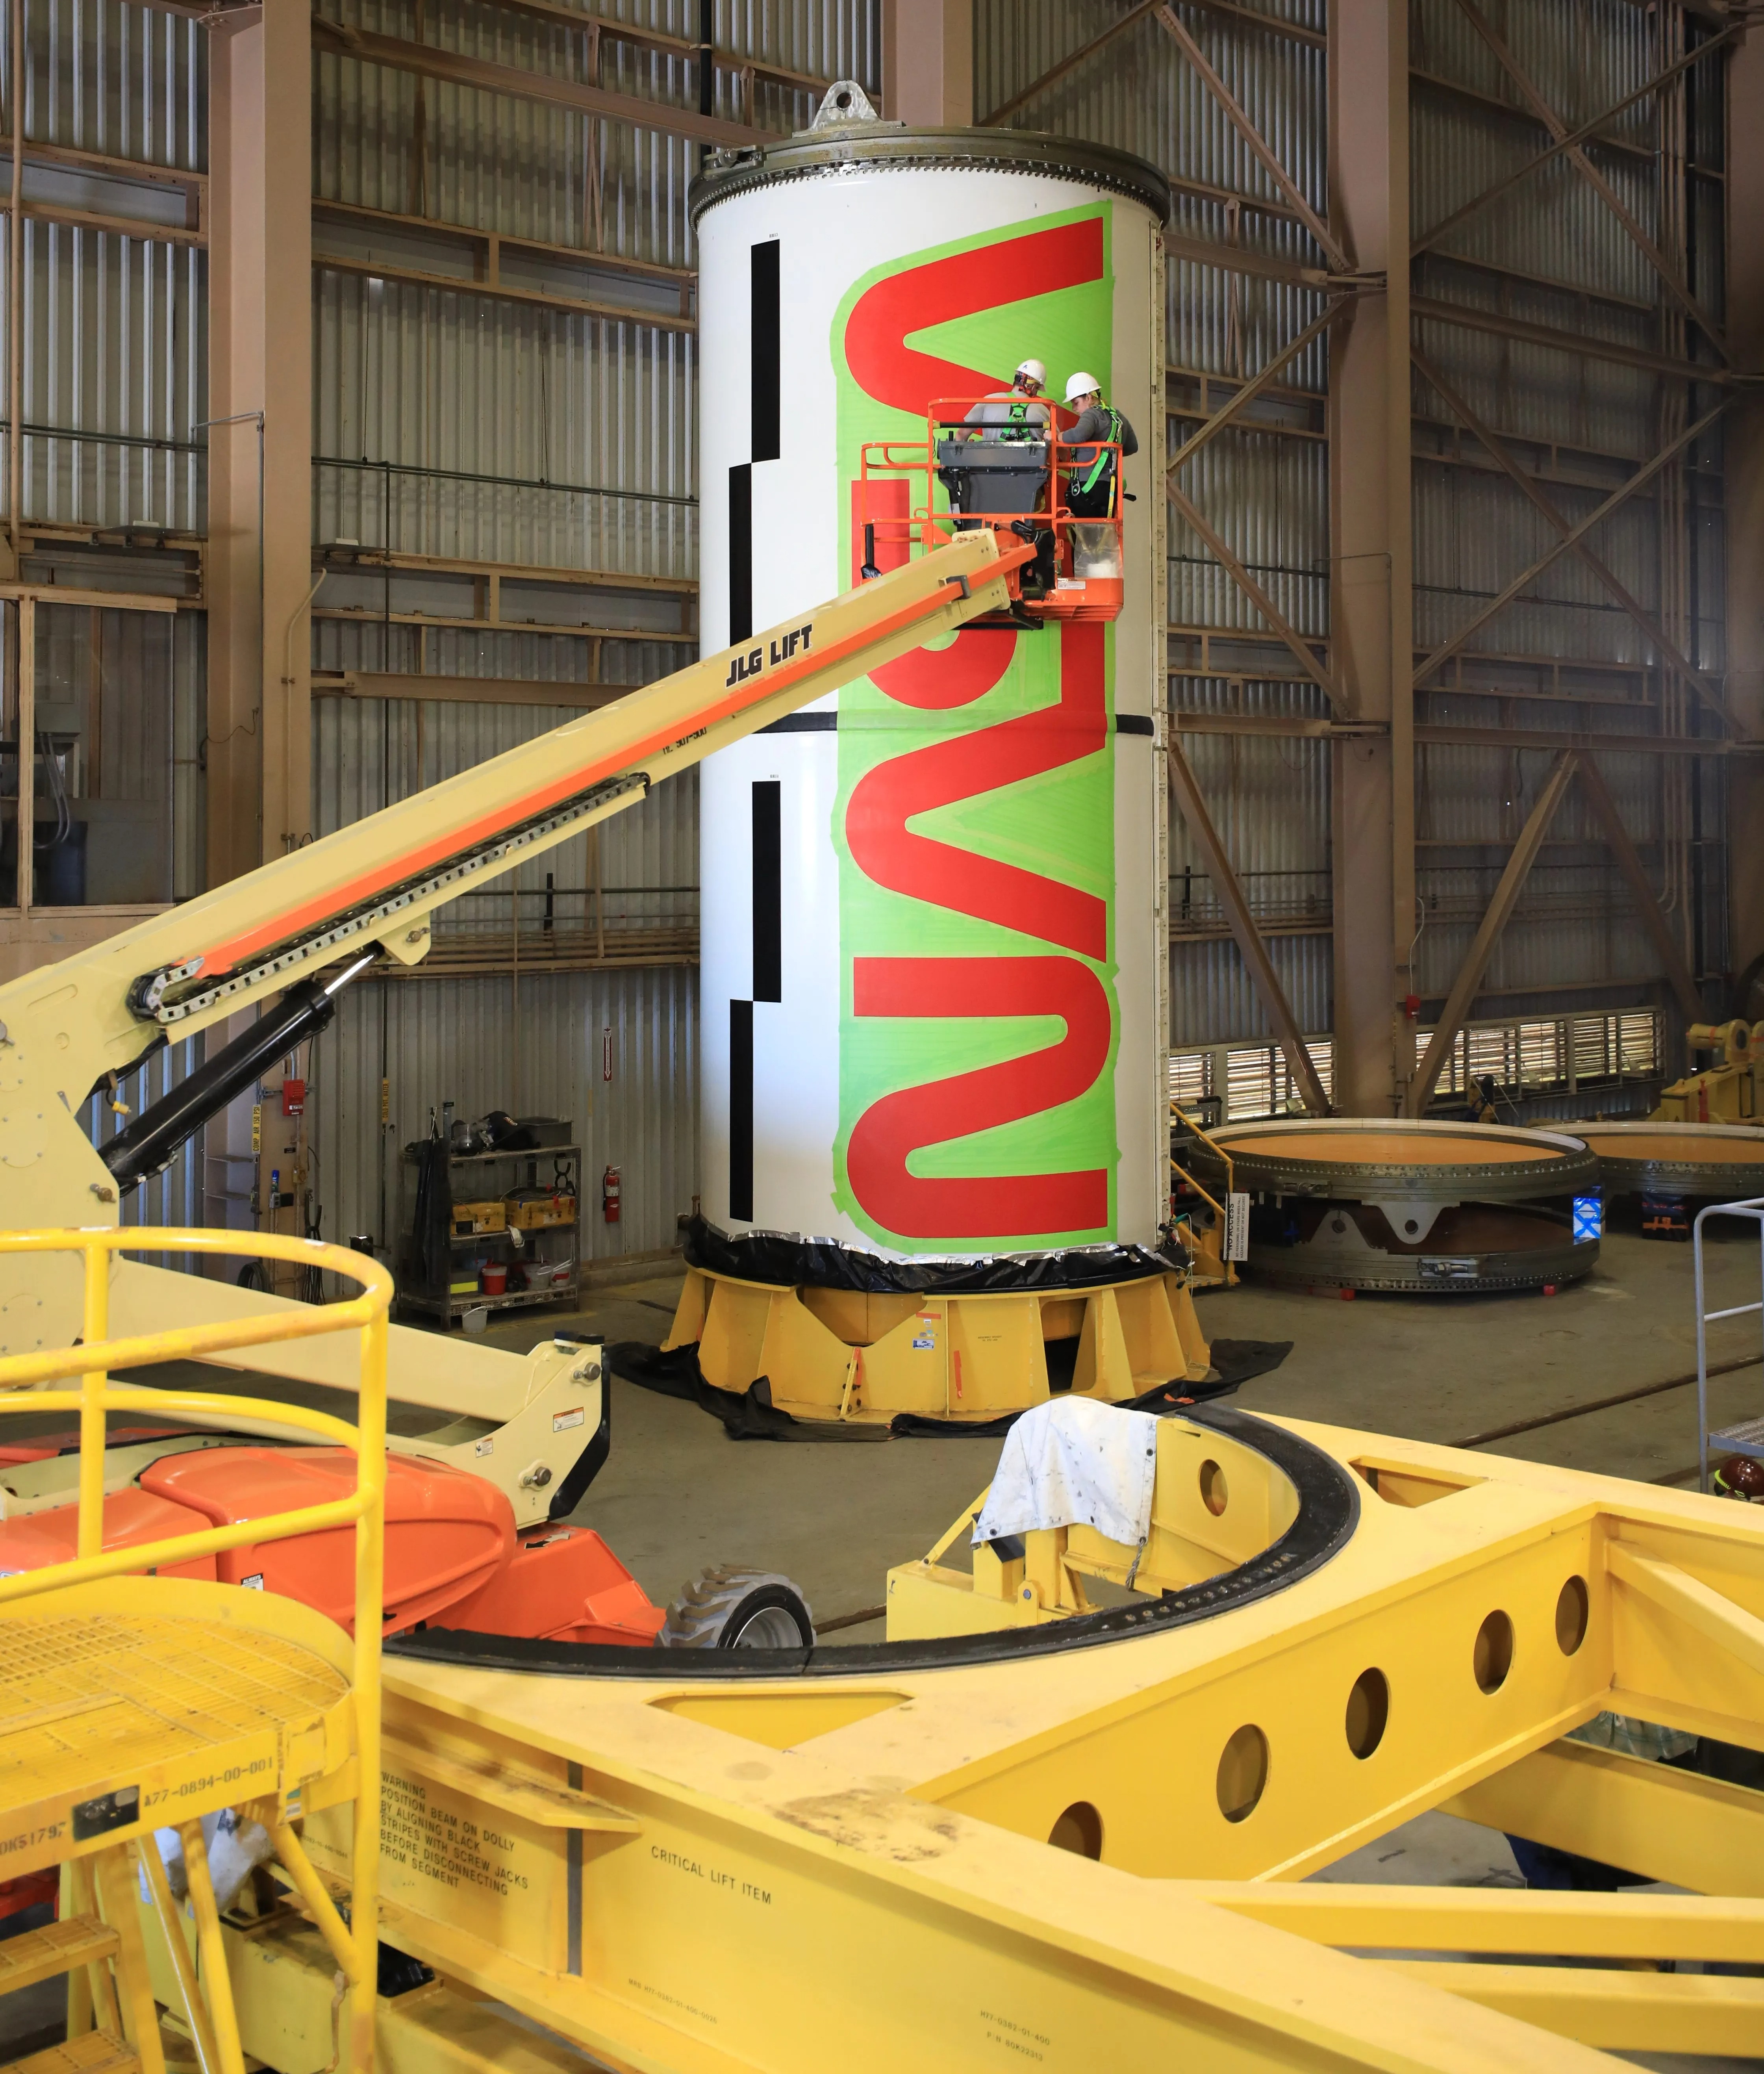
740, 553
803, 723
764, 326
741, 1111
767, 890
827, 723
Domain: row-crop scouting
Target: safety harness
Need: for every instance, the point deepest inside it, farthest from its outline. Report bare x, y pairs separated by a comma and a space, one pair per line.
1104, 457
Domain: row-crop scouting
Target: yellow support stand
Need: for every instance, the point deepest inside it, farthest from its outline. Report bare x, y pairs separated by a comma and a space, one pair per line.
133, 1703
850, 1357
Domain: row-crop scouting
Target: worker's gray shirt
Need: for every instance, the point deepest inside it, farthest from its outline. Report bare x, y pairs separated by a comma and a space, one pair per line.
1094, 425
1025, 417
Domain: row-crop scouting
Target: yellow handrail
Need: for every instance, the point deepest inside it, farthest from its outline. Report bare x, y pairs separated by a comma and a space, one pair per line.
1177, 1109
364, 1508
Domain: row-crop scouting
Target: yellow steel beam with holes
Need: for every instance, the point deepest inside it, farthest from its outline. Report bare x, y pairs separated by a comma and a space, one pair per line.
887, 1827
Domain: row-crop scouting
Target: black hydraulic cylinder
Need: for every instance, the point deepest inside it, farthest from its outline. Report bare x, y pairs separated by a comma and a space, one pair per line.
151, 1143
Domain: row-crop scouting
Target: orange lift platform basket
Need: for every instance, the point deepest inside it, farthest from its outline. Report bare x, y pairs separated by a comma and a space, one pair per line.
918, 495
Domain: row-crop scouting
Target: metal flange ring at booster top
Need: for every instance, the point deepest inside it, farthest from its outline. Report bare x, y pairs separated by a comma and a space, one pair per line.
1379, 1203
1718, 1163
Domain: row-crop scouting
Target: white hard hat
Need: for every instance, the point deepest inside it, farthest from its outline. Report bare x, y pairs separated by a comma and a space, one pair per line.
1081, 385
1034, 370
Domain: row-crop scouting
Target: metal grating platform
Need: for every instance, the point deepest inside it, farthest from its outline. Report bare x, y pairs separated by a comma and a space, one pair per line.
1746, 1438
112, 1721
94, 2052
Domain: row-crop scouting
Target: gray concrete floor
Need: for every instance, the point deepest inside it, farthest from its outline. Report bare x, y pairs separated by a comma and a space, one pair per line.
677, 1493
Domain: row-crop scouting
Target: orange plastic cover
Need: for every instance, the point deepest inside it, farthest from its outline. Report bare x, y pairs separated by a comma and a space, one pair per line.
564, 1584
448, 1533
132, 1517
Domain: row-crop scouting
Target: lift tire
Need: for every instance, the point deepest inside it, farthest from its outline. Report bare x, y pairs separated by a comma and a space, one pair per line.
732, 1607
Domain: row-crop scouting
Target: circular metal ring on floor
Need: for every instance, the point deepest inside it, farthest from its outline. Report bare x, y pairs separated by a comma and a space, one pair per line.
1721, 1161
1359, 1159
1326, 1509
1418, 1209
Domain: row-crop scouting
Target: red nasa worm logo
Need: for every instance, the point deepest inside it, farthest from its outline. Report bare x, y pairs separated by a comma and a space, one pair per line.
946, 875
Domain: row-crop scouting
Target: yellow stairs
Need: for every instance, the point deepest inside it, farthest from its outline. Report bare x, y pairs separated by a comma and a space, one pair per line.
130, 1705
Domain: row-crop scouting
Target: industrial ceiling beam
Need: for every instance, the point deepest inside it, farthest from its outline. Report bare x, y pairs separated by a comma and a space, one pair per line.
1705, 685
1568, 141
1665, 942
428, 61
1578, 345
1578, 531
1488, 934
558, 14
1185, 789
1242, 259
1240, 121
1253, 591
1368, 420
1252, 18
1577, 158
1300, 727
258, 579
1067, 65
927, 63
1743, 518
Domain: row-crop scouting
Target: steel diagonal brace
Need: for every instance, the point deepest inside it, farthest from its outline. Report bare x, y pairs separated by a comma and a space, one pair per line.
1246, 129
1559, 130
1185, 789
1640, 480
1264, 379
1069, 63
1705, 685
1707, 1611
1567, 141
1498, 913
1317, 672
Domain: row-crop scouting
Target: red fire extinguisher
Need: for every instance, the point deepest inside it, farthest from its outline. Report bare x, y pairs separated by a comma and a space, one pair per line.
609, 1194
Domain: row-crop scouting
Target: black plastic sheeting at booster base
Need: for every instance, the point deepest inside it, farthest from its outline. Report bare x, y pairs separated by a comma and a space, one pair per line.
788, 1262
782, 1259
1328, 1511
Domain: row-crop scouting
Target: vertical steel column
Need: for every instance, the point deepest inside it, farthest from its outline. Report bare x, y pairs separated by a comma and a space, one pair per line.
260, 358
928, 62
1372, 808
1745, 471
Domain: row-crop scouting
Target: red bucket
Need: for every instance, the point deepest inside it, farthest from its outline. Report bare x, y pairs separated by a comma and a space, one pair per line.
494, 1281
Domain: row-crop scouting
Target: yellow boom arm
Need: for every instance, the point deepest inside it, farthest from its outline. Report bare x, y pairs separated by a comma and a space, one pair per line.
375, 885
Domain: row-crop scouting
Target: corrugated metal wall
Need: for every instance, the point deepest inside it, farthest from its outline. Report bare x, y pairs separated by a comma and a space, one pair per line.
484, 1043
115, 325
450, 423
1553, 253
1264, 484
445, 384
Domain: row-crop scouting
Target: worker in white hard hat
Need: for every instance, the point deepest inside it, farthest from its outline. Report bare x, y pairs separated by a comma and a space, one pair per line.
1014, 413
1093, 480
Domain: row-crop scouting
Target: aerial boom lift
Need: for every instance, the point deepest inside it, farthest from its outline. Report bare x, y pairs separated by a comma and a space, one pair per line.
335, 906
